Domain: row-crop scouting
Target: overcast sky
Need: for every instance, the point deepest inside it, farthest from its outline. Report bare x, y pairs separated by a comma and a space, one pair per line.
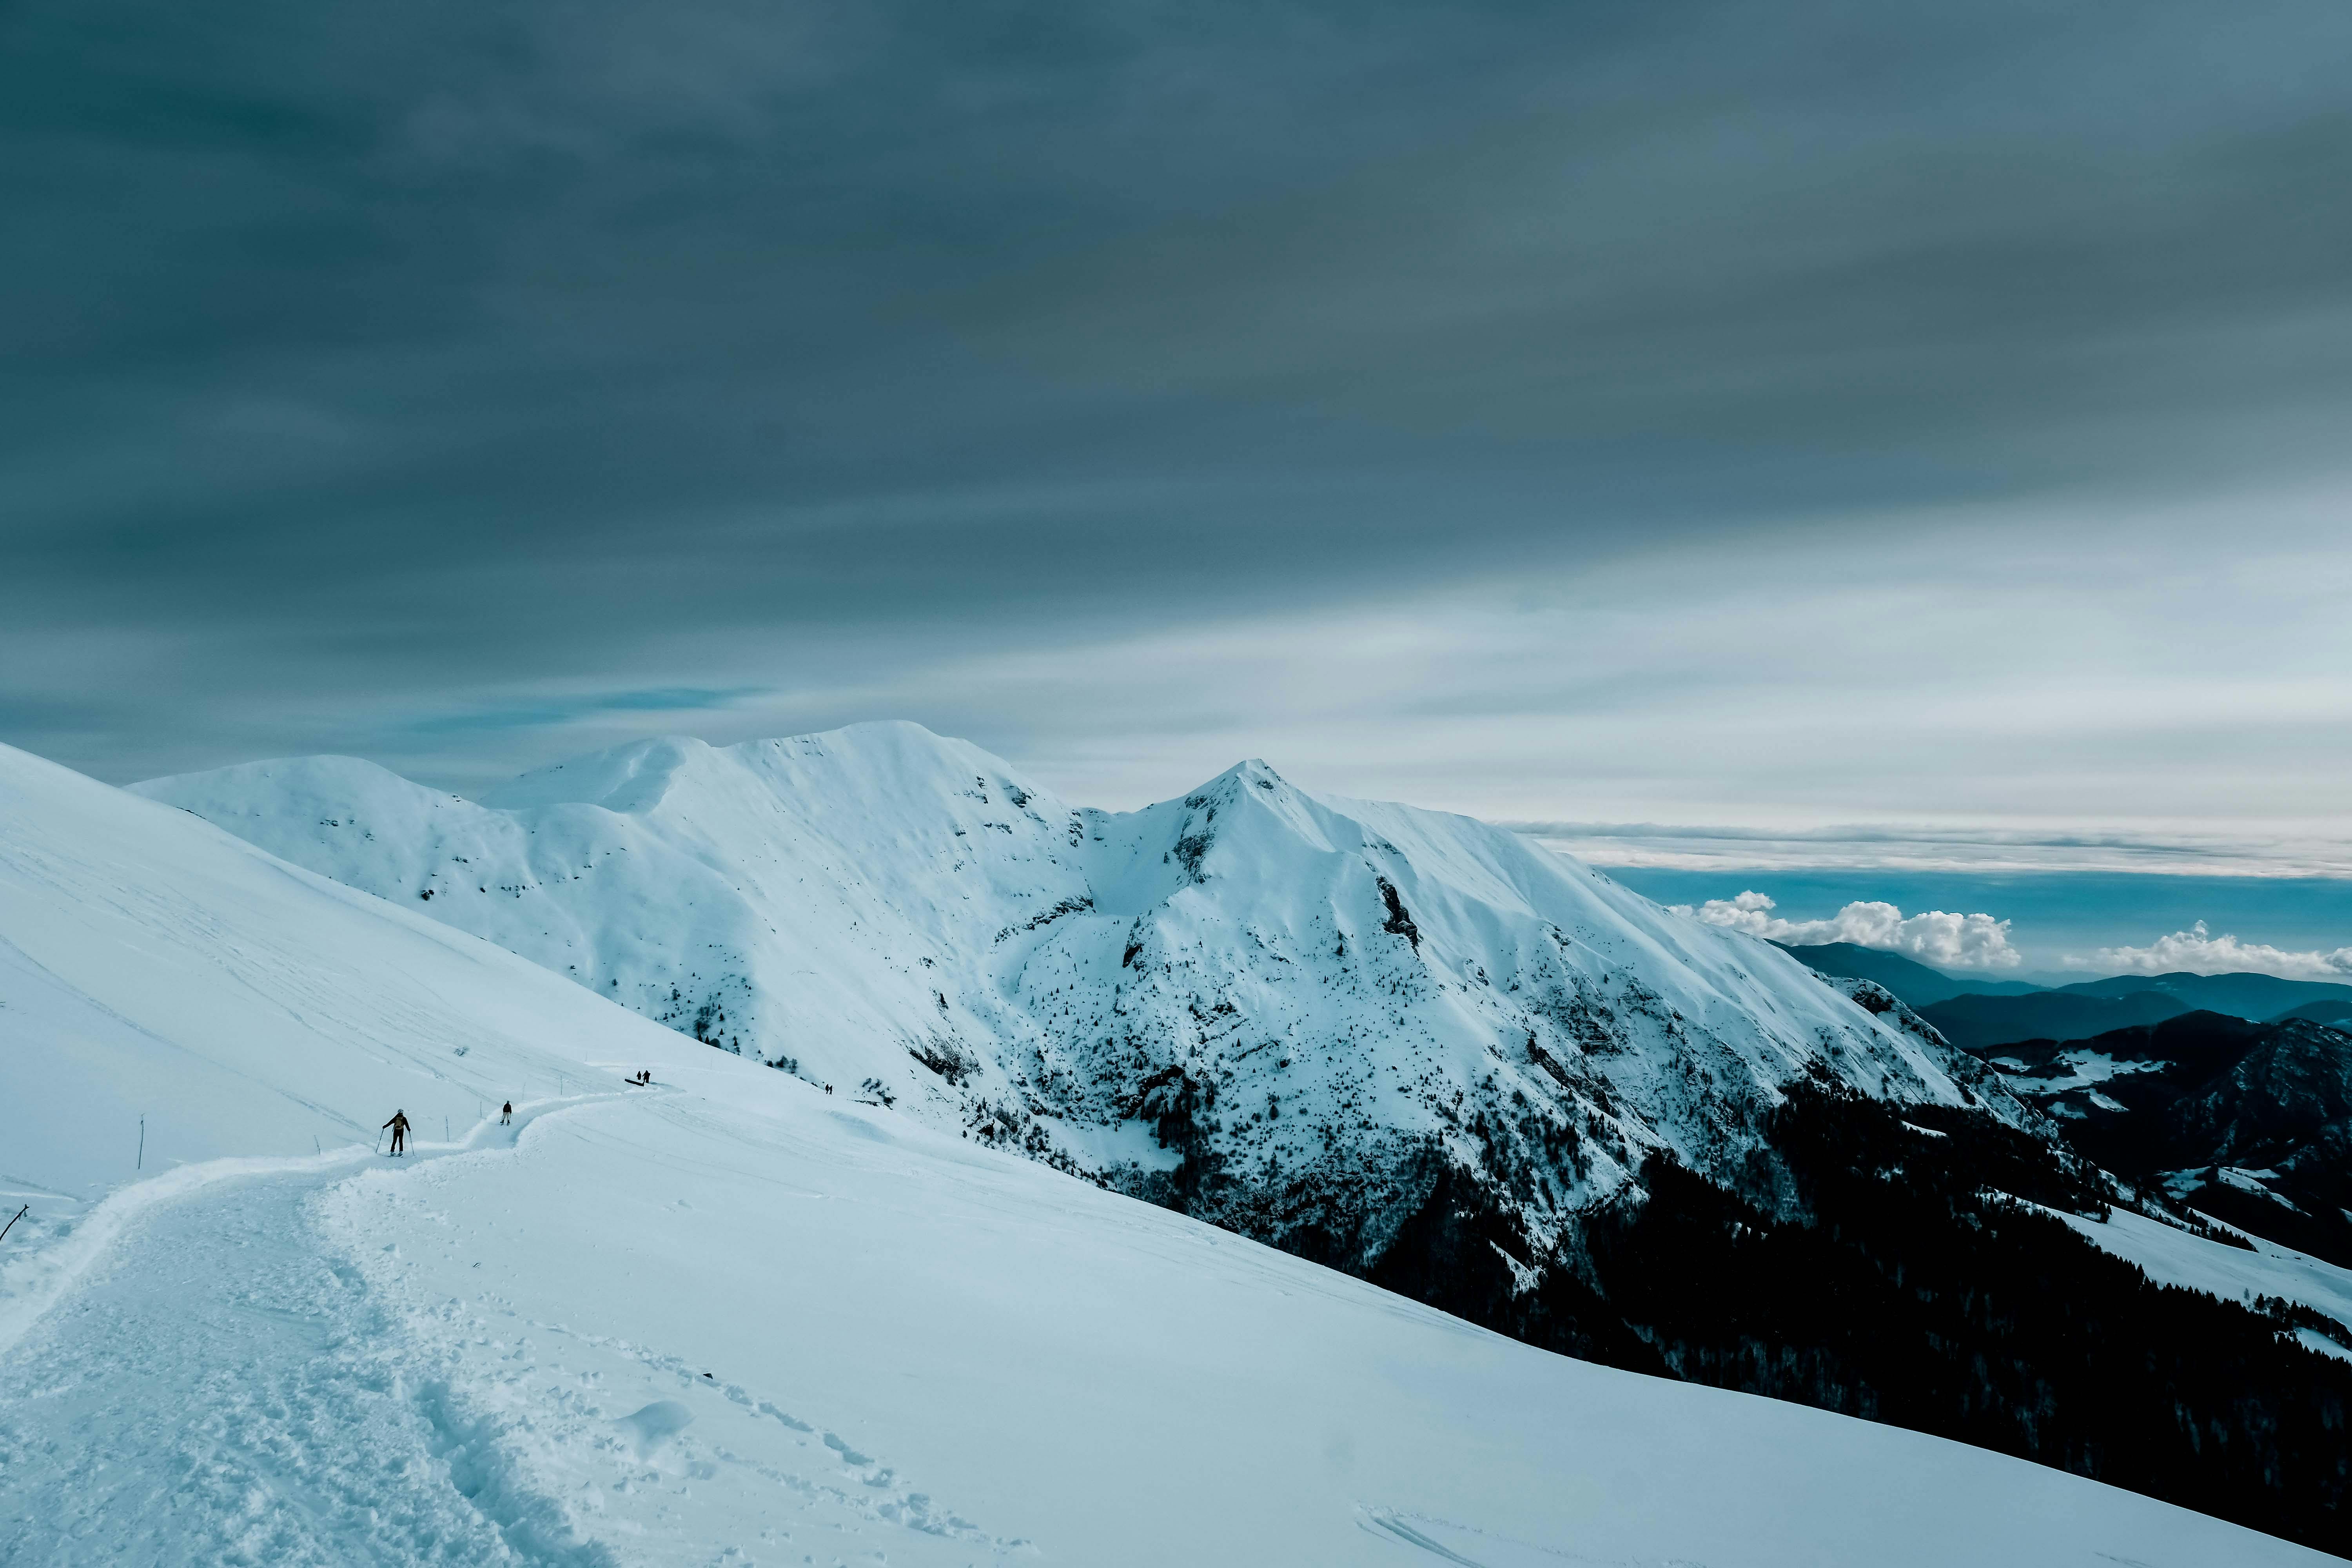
1875, 424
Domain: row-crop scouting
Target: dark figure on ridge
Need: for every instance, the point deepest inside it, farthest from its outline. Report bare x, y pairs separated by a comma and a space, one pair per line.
399, 1125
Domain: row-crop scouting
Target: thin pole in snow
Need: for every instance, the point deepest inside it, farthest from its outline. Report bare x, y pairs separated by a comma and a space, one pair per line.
142, 1141
20, 1214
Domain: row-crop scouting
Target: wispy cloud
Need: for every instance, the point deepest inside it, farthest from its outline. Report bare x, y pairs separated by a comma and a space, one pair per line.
1945, 940
542, 713
2198, 952
1914, 847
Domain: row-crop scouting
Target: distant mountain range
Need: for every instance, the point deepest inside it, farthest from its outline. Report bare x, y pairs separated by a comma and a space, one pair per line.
1978, 1022
2240, 995
2228, 1094
2249, 1122
1914, 982
2096, 1007
1975, 1014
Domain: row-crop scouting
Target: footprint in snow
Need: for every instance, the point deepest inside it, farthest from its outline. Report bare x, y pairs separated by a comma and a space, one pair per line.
845, 1451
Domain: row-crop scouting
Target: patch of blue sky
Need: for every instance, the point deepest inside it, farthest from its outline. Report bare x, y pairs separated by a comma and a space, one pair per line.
2055, 914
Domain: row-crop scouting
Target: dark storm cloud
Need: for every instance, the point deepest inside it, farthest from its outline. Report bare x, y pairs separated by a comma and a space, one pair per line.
367, 373
2020, 289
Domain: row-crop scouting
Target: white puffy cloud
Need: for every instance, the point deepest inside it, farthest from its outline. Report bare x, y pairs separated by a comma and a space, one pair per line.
2199, 952
1945, 940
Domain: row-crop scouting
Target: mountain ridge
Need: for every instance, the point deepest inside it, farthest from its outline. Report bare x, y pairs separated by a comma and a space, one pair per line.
1917, 984
1975, 1022
2242, 993
2093, 1008
1246, 988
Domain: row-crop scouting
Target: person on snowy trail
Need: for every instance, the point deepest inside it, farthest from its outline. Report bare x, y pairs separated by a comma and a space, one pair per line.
399, 1125
506, 1113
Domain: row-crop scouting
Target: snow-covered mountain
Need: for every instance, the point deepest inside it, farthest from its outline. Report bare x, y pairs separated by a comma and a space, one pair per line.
728, 1318
1287, 1012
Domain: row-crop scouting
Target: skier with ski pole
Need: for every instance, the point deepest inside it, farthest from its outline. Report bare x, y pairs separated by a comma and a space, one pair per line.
399, 1125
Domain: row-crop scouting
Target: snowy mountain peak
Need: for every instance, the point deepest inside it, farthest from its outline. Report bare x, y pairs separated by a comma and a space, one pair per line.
638, 777
1252, 772
1247, 989
325, 780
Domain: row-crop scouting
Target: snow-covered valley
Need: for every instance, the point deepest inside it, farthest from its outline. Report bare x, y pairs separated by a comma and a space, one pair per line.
732, 1319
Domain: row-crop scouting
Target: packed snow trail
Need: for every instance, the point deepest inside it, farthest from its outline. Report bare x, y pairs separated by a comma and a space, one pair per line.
326, 1426
220, 1387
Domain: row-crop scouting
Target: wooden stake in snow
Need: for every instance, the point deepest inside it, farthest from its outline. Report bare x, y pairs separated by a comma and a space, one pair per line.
142, 1143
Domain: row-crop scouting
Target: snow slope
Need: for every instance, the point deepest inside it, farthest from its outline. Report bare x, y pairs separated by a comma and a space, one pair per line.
734, 1319
2167, 1253
1251, 990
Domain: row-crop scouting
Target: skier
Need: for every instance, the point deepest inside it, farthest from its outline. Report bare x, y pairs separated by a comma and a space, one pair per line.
399, 1125
506, 1113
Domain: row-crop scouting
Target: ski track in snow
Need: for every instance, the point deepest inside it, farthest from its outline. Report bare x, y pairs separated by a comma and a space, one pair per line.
217, 1391
553, 1393
34, 1280
323, 1423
